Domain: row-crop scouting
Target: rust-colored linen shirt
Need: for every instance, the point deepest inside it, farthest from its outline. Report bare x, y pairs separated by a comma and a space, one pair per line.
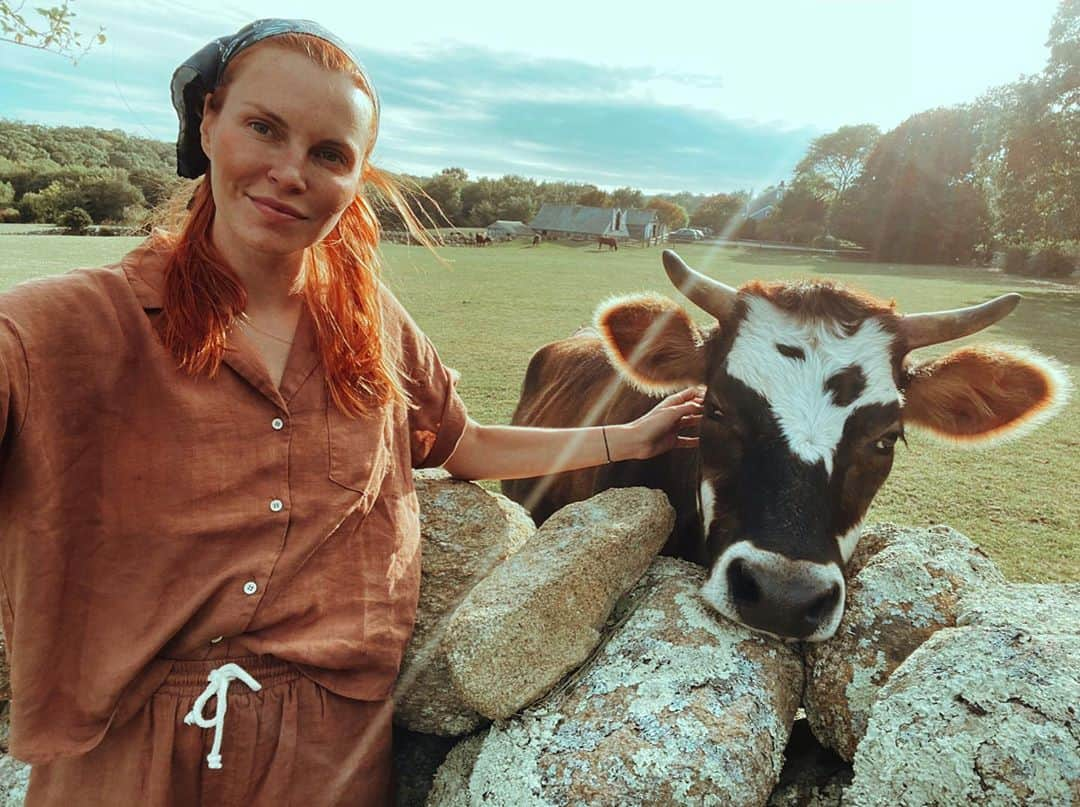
145, 513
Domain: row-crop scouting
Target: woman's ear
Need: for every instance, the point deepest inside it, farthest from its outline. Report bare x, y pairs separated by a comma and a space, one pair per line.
207, 121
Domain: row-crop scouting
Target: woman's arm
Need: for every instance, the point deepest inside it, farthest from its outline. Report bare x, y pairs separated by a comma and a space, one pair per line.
516, 452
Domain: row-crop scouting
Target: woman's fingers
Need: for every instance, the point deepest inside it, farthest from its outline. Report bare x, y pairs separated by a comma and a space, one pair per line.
683, 396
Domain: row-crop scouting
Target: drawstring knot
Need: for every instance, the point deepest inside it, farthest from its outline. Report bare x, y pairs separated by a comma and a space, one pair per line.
218, 687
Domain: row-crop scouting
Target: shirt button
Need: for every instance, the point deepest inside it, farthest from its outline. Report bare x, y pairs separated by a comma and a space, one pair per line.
276, 505
277, 424
250, 587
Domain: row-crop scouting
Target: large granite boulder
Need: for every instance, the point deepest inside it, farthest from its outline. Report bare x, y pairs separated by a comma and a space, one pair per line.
1033, 607
538, 616
451, 785
14, 780
976, 716
905, 587
678, 706
465, 533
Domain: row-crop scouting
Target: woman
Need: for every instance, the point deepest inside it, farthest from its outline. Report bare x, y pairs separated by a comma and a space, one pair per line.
205, 463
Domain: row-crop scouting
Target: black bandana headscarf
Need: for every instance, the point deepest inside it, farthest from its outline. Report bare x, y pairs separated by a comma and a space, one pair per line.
201, 73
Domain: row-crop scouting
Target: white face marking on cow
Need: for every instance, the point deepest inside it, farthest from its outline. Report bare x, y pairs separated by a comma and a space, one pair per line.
848, 541
811, 422
708, 504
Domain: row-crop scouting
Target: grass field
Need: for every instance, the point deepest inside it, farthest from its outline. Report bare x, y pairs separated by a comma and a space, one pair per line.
489, 309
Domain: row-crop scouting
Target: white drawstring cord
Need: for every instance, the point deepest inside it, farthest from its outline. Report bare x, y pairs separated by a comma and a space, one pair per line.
219, 687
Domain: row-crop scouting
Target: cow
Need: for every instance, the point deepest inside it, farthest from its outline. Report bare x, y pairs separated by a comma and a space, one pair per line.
605, 241
482, 240
808, 388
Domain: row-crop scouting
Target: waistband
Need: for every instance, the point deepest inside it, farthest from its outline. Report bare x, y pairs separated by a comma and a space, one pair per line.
190, 677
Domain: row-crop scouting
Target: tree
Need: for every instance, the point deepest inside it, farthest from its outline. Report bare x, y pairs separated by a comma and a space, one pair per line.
919, 198
75, 221
671, 215
720, 212
560, 193
1030, 150
836, 160
444, 193
592, 196
626, 198
53, 32
800, 214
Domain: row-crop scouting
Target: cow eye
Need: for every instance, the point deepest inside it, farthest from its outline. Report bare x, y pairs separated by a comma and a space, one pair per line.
714, 412
886, 442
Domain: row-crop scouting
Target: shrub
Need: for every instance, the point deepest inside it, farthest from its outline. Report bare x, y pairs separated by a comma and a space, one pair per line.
1050, 262
75, 221
10, 214
1016, 258
747, 230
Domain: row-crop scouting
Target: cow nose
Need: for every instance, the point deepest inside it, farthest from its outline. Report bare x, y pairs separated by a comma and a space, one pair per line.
792, 600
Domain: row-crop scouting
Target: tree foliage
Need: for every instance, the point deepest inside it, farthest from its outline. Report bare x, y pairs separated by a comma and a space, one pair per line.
1030, 153
834, 161
76, 221
672, 215
720, 212
919, 199
51, 30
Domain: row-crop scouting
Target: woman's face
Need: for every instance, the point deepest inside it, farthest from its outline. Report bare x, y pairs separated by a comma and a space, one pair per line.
286, 150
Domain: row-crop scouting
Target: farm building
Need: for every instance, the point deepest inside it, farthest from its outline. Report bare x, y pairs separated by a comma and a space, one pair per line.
505, 230
578, 221
644, 225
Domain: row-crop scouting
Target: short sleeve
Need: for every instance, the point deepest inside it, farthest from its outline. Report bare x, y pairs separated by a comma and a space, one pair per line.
437, 415
14, 381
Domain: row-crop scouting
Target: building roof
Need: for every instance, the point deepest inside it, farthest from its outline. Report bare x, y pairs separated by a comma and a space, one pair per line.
577, 219
516, 227
637, 218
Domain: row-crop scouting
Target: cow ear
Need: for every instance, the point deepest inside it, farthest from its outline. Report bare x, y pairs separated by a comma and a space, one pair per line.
652, 342
979, 395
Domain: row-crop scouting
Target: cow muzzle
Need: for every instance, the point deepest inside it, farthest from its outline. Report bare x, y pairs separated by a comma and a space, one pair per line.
779, 596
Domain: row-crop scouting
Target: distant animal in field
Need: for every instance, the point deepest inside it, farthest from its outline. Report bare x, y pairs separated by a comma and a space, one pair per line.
482, 240
808, 388
605, 241
536, 240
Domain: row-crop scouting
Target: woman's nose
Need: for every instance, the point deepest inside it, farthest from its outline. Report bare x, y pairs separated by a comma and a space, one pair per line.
287, 171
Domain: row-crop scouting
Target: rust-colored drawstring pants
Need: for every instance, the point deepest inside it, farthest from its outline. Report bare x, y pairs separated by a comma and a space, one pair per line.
290, 743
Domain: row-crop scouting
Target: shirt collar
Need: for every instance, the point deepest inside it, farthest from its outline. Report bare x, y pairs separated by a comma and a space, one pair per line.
144, 268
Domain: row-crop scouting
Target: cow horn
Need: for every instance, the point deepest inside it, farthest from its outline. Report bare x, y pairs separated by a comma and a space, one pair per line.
920, 330
710, 295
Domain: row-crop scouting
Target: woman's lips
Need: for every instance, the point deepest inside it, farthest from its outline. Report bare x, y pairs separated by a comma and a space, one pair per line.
275, 210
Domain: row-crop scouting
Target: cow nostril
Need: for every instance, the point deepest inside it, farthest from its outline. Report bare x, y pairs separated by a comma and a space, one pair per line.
742, 585
823, 605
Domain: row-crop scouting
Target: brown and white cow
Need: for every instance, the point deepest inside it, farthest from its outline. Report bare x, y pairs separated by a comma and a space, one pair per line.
809, 387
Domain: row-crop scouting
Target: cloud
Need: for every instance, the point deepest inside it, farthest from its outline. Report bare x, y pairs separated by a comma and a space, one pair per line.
488, 111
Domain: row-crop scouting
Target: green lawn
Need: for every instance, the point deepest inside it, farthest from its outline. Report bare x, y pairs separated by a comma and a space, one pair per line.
489, 309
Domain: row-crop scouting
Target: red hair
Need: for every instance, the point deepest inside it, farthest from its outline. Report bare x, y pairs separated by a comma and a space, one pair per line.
339, 279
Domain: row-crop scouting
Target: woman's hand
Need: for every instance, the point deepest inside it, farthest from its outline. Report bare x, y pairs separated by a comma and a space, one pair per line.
658, 430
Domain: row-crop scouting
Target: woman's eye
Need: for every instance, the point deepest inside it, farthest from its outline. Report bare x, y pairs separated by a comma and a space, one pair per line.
885, 443
259, 127
332, 156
